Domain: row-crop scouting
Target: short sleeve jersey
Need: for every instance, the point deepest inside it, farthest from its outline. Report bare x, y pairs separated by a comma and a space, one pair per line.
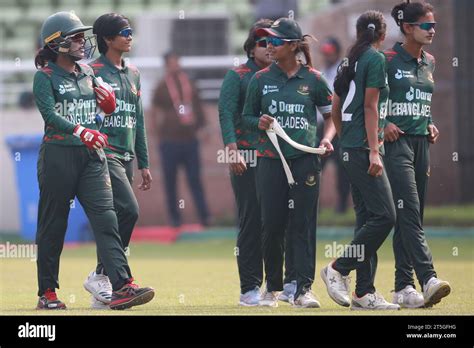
370, 73
411, 88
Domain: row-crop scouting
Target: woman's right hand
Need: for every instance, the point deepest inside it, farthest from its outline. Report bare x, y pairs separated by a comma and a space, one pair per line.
92, 138
376, 166
392, 132
238, 167
265, 122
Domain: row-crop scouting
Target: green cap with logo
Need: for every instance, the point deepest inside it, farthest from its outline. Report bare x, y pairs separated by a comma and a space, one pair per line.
60, 25
284, 28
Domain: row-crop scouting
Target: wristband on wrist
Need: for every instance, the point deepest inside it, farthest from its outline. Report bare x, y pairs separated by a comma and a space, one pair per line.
78, 130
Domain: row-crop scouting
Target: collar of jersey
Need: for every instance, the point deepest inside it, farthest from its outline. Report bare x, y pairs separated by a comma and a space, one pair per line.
60, 71
107, 62
251, 64
277, 70
407, 57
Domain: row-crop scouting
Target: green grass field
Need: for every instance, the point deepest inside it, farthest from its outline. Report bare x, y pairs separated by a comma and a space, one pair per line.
200, 278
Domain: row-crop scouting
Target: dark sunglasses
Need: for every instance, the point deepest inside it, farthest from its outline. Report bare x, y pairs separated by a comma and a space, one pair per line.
262, 43
126, 32
276, 41
425, 26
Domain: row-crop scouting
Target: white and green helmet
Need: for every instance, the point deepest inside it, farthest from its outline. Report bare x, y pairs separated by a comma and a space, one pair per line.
57, 30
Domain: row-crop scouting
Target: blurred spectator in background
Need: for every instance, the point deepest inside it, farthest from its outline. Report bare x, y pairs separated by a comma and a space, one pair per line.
274, 9
330, 50
331, 53
177, 119
26, 100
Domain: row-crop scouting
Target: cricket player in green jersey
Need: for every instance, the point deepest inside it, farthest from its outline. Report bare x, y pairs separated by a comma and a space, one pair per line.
241, 144
358, 111
408, 132
286, 95
125, 129
71, 161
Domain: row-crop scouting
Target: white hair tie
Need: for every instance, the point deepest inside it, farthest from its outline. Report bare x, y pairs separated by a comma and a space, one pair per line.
371, 26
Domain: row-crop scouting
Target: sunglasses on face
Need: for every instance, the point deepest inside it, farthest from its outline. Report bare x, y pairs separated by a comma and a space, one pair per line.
425, 26
276, 41
126, 32
262, 43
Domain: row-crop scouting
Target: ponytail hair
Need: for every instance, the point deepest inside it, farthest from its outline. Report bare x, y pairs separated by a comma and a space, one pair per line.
303, 48
370, 28
45, 55
410, 12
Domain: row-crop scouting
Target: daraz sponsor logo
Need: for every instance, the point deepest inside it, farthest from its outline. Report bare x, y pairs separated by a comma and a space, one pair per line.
284, 107
418, 94
123, 106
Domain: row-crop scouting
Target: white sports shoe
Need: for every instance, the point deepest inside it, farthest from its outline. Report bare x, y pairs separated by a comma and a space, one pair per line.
95, 304
337, 285
371, 302
408, 298
288, 293
269, 299
99, 286
306, 300
434, 290
250, 298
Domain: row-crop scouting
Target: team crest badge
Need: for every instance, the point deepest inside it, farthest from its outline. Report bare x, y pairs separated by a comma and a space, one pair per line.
303, 90
134, 89
311, 180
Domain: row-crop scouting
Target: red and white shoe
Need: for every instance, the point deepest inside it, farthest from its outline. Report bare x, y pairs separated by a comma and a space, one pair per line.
50, 300
131, 295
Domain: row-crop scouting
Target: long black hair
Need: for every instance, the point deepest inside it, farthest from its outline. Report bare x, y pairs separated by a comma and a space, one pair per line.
108, 26
252, 37
303, 47
410, 12
370, 28
45, 55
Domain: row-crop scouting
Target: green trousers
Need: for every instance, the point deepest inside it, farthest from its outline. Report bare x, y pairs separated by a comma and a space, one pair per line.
375, 217
65, 172
249, 238
407, 163
125, 202
291, 210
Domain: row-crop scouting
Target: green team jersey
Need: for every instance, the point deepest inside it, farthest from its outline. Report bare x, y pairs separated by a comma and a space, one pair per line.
126, 126
65, 100
292, 101
231, 105
370, 72
411, 87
